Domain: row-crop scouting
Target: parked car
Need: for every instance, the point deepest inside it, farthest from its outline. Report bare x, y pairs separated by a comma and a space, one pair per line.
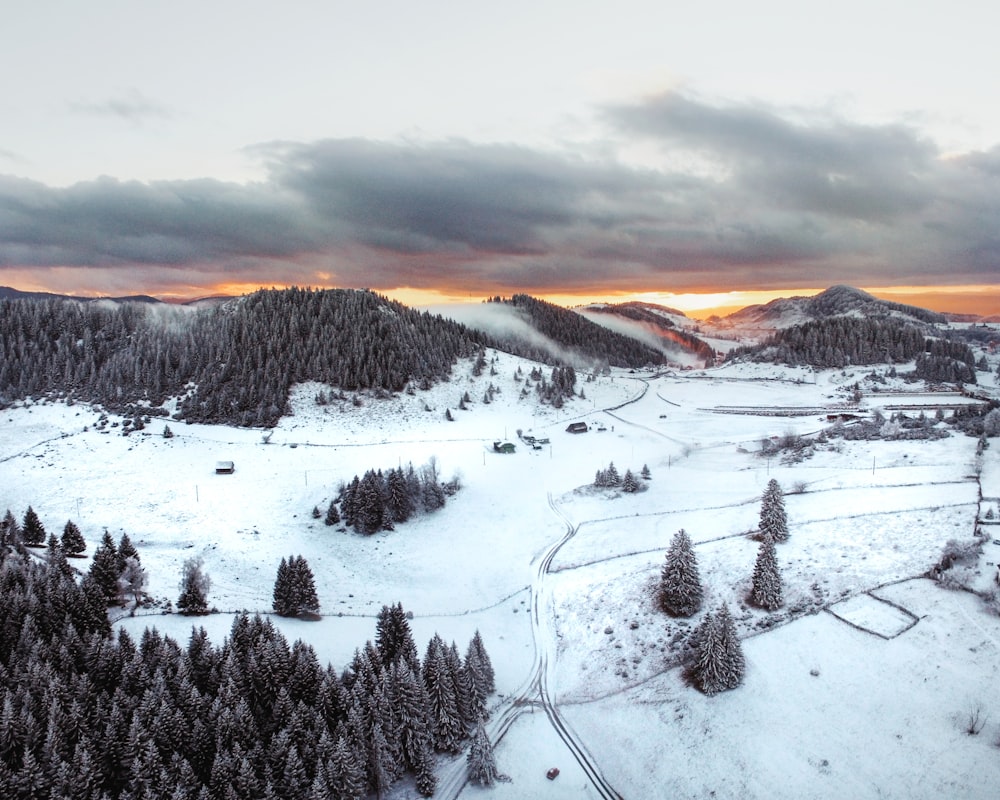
552, 773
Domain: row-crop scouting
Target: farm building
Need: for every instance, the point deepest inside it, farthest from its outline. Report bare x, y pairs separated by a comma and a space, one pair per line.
225, 467
576, 427
503, 447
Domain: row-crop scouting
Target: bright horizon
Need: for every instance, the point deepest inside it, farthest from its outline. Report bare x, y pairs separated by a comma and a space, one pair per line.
980, 300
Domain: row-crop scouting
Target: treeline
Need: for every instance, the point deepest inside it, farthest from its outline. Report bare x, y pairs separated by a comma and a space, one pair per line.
233, 363
584, 342
87, 715
842, 341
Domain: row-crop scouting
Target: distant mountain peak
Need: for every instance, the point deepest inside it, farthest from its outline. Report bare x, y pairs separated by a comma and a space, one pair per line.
838, 300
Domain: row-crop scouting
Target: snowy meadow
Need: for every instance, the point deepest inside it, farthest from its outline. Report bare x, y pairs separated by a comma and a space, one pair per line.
861, 685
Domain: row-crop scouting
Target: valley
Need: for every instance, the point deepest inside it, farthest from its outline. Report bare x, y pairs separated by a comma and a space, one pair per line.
559, 576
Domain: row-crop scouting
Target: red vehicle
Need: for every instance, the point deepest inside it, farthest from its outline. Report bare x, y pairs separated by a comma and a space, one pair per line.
552, 773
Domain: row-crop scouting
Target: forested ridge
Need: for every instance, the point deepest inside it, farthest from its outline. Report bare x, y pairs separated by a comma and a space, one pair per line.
585, 342
647, 314
87, 714
840, 341
233, 363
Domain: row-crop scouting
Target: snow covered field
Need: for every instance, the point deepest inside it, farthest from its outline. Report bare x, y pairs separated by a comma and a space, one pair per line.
860, 686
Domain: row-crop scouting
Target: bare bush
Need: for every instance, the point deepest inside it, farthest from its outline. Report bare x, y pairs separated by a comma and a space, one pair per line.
975, 721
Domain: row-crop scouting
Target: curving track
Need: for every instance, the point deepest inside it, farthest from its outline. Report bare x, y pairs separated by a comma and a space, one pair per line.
534, 693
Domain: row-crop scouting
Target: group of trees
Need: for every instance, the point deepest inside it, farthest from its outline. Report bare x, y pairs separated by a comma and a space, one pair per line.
87, 715
843, 340
610, 478
31, 532
717, 659
295, 589
379, 500
946, 362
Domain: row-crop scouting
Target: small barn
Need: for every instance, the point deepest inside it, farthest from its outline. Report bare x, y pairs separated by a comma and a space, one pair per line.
503, 447
225, 467
576, 427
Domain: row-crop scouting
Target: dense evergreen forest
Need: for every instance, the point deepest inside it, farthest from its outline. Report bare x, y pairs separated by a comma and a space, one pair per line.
840, 341
86, 714
234, 363
585, 342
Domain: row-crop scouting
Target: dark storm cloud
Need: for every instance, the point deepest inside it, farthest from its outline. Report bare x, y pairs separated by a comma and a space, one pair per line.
747, 198
821, 165
457, 196
107, 222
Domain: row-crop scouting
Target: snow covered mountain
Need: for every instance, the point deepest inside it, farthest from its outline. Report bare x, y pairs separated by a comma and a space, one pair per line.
835, 301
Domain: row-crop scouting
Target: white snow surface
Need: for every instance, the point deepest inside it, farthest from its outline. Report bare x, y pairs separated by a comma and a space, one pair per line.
861, 686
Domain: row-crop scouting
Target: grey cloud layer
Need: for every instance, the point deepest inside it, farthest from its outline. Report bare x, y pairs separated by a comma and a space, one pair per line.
784, 203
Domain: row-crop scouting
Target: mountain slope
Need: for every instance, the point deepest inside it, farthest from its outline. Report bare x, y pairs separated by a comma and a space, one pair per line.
644, 319
835, 301
578, 339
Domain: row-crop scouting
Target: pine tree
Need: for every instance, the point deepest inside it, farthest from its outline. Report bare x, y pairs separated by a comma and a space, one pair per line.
32, 530
72, 540
104, 568
773, 520
718, 662
483, 660
613, 477
332, 516
481, 762
370, 506
308, 600
10, 531
629, 483
646, 474
766, 592
125, 551
194, 587
394, 639
680, 583
398, 500
346, 779
447, 728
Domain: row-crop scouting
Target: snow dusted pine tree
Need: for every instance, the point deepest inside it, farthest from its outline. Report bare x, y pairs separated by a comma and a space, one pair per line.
718, 663
629, 483
481, 762
766, 592
773, 520
680, 584
483, 662
72, 540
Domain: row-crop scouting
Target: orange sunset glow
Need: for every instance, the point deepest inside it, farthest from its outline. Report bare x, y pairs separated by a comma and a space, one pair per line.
976, 299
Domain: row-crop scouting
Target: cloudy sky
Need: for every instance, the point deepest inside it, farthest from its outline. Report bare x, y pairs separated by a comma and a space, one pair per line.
565, 149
